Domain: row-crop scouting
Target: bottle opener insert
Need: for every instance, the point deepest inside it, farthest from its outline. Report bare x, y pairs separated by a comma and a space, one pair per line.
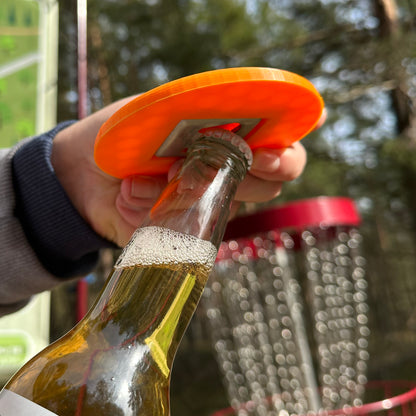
268, 107
187, 131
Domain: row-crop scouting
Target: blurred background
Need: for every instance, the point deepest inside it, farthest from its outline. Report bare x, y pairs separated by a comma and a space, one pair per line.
361, 56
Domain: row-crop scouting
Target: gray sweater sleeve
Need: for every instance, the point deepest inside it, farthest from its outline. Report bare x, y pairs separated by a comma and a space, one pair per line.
21, 272
43, 239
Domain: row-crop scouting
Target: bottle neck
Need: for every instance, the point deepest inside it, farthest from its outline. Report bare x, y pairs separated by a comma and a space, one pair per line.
198, 199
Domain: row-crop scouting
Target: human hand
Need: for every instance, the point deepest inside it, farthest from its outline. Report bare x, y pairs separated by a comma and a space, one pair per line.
115, 208
270, 169
92, 192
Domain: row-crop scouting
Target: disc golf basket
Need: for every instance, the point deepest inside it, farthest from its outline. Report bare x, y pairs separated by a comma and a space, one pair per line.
287, 311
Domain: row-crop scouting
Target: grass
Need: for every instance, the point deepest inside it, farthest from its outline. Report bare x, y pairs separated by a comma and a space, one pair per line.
17, 106
19, 21
13, 47
20, 13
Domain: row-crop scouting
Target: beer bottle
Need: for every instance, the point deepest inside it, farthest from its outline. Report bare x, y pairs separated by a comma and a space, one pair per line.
117, 360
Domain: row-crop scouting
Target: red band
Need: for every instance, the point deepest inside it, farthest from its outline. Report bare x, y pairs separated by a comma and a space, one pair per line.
315, 212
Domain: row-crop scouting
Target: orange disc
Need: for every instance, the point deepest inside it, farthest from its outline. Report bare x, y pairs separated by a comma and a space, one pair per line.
273, 107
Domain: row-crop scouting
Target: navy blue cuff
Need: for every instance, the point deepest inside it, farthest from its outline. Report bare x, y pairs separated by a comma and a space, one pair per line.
63, 241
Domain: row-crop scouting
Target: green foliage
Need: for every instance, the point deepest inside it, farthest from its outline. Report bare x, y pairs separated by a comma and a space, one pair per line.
17, 106
18, 92
18, 28
3, 87
7, 44
23, 13
13, 47
26, 76
402, 153
25, 127
5, 113
11, 15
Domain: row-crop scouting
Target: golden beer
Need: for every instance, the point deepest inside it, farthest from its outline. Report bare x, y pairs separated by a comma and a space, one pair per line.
131, 334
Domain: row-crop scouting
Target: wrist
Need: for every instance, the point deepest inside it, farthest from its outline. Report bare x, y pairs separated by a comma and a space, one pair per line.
62, 240
66, 159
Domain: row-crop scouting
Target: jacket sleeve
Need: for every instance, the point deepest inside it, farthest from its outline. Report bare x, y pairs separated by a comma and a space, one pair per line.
43, 239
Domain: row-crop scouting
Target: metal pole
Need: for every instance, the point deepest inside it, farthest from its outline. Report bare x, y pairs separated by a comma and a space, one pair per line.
299, 329
82, 57
82, 285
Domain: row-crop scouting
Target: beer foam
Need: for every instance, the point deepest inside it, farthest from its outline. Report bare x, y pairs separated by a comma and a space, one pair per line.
156, 245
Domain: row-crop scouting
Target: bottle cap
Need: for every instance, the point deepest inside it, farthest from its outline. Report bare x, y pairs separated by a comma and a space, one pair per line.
269, 108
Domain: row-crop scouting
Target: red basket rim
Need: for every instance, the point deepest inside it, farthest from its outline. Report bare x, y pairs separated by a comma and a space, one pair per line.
322, 211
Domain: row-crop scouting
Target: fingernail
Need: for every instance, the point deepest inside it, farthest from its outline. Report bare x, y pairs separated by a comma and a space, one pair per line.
144, 187
265, 161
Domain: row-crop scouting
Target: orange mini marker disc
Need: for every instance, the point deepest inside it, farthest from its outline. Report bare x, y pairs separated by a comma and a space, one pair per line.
273, 108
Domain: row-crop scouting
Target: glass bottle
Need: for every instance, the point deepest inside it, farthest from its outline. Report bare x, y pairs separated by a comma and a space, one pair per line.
118, 359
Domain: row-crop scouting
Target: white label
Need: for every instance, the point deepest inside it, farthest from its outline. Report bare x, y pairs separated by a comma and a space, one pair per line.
12, 404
